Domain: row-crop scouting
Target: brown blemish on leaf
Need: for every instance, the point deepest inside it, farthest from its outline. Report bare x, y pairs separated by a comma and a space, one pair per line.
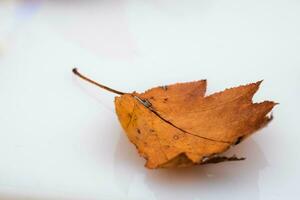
164, 87
238, 141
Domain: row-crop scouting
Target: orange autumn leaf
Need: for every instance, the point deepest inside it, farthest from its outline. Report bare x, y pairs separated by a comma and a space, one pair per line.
178, 126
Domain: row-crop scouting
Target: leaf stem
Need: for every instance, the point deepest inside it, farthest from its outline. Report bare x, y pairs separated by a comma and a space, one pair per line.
75, 71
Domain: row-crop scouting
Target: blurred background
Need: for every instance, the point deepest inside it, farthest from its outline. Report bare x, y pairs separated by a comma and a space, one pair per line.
60, 138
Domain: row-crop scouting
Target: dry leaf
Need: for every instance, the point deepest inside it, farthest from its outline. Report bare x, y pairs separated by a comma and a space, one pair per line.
178, 126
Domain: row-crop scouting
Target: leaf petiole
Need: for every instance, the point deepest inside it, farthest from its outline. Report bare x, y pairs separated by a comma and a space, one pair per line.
75, 71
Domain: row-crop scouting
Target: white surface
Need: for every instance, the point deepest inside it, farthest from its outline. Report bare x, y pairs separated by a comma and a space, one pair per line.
60, 138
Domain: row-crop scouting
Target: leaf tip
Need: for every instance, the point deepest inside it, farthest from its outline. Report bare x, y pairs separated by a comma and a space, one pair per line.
259, 82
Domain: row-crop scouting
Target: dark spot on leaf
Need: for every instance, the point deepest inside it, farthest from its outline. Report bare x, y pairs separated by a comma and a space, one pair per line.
165, 99
164, 87
139, 131
152, 98
152, 130
167, 146
134, 119
238, 140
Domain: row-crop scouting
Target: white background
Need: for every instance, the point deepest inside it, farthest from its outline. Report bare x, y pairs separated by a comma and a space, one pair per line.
60, 137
